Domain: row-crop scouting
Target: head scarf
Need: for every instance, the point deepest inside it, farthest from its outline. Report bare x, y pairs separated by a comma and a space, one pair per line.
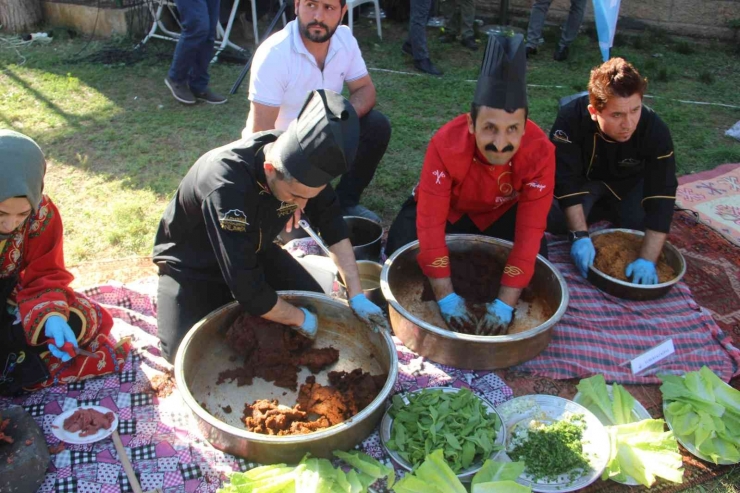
22, 169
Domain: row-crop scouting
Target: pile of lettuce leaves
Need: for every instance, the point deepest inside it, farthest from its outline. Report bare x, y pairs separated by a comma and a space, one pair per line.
312, 476
705, 412
640, 449
435, 476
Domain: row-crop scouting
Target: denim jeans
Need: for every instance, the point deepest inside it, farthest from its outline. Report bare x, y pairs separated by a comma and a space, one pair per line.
418, 28
570, 29
461, 15
375, 133
194, 49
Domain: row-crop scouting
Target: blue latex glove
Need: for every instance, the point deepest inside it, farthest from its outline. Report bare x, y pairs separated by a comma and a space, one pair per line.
583, 253
497, 318
642, 272
310, 324
368, 312
454, 311
58, 329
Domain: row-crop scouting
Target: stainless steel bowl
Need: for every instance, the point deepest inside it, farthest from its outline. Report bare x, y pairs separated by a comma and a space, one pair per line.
365, 235
204, 353
630, 291
370, 280
462, 350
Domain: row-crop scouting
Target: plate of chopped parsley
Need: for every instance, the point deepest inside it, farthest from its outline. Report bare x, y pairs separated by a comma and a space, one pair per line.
564, 446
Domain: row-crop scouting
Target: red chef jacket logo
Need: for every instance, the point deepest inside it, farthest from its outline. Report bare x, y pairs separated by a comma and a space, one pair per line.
538, 186
438, 175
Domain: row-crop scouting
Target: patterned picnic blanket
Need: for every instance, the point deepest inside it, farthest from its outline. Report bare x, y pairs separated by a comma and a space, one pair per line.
600, 332
715, 196
159, 434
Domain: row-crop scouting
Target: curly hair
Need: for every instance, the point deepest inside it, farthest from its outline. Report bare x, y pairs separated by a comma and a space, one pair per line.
616, 77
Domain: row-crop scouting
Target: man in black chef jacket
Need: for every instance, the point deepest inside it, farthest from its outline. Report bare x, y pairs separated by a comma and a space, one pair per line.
215, 240
614, 156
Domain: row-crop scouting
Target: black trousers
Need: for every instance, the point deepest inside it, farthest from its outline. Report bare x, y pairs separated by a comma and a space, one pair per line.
375, 133
182, 301
600, 204
403, 229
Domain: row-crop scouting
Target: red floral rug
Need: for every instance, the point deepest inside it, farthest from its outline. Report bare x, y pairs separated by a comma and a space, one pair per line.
713, 274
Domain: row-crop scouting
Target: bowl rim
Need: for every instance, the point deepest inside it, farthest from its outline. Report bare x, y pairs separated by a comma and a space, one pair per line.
448, 334
646, 287
380, 226
207, 417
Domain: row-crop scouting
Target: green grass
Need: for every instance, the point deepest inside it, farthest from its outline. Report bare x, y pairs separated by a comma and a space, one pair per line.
118, 144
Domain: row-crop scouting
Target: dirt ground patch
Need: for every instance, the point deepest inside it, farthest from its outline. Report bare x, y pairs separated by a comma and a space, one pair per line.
123, 270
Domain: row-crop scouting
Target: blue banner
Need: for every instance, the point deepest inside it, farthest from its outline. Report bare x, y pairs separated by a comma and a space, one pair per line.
606, 13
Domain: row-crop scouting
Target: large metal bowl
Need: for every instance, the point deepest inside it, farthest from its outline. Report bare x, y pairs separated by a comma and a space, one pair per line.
204, 353
630, 291
462, 350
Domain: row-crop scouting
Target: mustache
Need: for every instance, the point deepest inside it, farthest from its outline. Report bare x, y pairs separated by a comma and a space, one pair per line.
317, 23
493, 148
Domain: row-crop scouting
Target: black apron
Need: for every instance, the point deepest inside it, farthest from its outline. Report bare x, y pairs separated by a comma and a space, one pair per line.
20, 363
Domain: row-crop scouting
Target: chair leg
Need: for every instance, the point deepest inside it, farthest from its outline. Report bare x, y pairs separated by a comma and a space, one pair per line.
254, 23
377, 18
350, 9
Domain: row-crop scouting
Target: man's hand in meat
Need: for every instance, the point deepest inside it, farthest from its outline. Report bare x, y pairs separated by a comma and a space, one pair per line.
454, 311
583, 253
368, 312
642, 272
497, 318
310, 324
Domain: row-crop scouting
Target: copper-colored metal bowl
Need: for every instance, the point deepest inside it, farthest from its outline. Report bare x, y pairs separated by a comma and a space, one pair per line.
640, 292
204, 353
437, 342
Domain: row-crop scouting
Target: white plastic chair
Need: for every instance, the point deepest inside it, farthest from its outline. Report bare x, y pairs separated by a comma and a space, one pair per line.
356, 3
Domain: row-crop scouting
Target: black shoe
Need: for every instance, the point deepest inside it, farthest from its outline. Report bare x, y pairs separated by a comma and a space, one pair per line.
406, 49
469, 43
181, 92
210, 97
531, 51
448, 38
561, 54
427, 66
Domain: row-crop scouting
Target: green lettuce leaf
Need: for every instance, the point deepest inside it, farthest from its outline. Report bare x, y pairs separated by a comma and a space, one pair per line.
623, 404
500, 487
498, 471
364, 463
723, 393
594, 389
434, 470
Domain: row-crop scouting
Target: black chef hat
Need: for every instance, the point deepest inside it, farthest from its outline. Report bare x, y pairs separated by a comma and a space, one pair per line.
502, 82
321, 143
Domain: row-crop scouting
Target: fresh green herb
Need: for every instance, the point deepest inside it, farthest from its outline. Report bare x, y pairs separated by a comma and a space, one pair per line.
550, 450
457, 423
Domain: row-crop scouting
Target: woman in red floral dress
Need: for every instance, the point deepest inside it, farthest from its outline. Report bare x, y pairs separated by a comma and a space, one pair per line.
39, 312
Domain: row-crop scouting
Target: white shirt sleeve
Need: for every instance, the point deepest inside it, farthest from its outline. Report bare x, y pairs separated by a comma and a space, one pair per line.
268, 78
357, 68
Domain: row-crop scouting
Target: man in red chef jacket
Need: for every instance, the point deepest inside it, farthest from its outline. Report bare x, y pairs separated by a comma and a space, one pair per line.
489, 172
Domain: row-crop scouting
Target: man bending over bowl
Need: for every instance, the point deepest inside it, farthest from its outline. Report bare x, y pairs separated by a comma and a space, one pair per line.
489, 172
215, 239
614, 154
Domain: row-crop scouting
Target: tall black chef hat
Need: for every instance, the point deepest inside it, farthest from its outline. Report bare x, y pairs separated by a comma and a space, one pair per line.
502, 82
321, 143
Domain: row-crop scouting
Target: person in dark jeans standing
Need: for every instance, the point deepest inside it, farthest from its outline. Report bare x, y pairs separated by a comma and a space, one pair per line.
188, 76
570, 28
416, 44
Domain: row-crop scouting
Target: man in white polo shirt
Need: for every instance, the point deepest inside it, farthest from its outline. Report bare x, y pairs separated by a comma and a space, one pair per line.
315, 52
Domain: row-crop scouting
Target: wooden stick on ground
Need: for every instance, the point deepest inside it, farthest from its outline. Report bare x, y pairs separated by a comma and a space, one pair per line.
127, 467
